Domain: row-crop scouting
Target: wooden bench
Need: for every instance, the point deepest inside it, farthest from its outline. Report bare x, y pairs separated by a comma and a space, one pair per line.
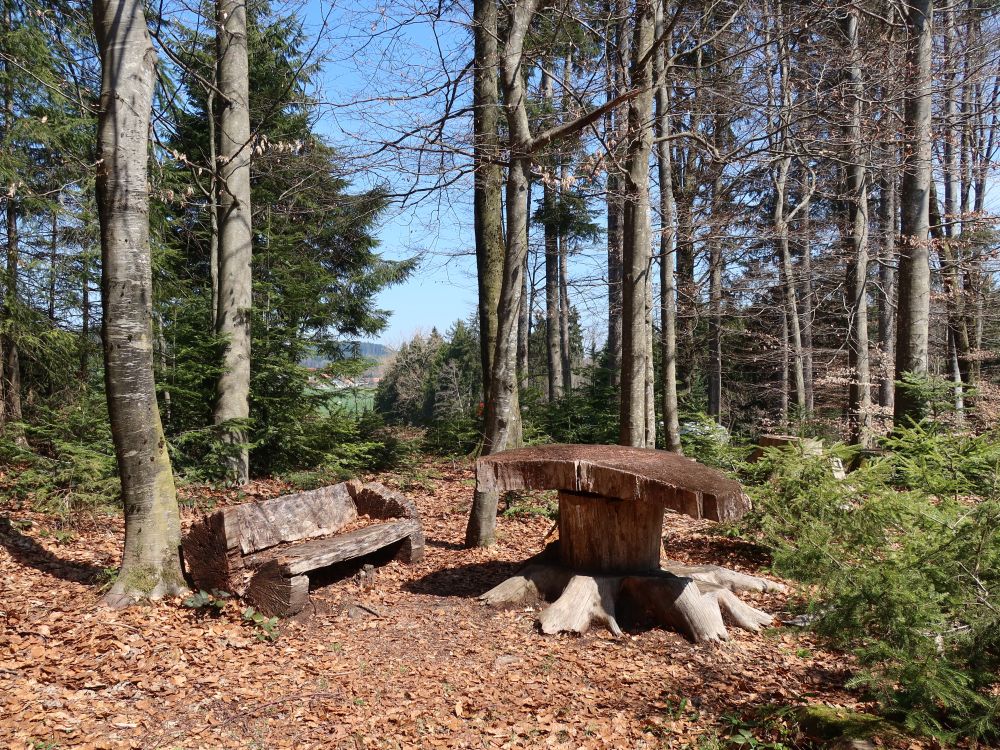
263, 552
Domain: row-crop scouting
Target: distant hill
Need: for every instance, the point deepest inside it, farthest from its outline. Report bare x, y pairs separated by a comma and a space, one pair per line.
366, 349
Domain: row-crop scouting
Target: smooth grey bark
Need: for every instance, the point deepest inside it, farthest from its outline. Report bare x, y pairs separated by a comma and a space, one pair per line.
668, 291
913, 307
151, 560
808, 306
636, 246
232, 407
886, 298
856, 242
213, 193
550, 226
948, 228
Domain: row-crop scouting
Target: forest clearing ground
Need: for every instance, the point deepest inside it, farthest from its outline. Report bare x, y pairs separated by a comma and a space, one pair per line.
433, 667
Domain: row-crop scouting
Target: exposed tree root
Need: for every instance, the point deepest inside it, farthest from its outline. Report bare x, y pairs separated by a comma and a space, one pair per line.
584, 601
730, 579
698, 603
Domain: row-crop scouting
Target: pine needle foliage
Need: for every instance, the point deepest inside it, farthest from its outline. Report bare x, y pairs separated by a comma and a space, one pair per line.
903, 562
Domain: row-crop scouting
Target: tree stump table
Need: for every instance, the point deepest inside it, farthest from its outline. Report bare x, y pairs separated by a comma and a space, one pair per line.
611, 504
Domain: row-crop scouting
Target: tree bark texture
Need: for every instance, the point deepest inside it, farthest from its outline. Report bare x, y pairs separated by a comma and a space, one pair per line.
636, 247
151, 560
668, 289
856, 243
503, 421
233, 317
914, 285
887, 290
550, 226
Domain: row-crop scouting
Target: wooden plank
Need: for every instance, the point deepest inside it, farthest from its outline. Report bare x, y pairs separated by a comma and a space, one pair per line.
307, 556
615, 471
293, 517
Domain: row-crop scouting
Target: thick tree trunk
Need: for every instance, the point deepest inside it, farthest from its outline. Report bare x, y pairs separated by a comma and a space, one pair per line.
632, 430
232, 407
503, 419
487, 208
668, 291
856, 245
913, 309
151, 561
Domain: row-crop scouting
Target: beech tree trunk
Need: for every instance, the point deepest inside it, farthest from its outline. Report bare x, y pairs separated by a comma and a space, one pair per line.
488, 182
913, 309
808, 295
887, 290
856, 244
636, 256
668, 290
617, 54
232, 407
151, 561
503, 420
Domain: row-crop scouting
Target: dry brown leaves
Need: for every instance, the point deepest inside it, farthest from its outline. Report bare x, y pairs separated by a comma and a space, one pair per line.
433, 668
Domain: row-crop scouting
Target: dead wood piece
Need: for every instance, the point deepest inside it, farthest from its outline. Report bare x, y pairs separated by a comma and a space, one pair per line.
730, 579
275, 594
614, 471
678, 603
378, 501
533, 581
304, 515
699, 610
206, 555
320, 553
734, 611
584, 601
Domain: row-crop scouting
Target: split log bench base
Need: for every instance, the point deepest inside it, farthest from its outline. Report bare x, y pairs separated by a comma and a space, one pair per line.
611, 504
263, 552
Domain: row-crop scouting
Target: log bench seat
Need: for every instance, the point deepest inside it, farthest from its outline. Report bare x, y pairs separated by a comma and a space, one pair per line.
265, 551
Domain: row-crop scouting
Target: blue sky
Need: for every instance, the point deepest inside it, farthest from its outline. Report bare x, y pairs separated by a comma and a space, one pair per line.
438, 228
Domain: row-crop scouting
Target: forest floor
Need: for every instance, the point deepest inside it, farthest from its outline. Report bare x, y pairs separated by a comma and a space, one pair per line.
421, 663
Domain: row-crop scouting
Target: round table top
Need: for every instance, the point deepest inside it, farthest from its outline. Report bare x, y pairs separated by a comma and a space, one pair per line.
616, 471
